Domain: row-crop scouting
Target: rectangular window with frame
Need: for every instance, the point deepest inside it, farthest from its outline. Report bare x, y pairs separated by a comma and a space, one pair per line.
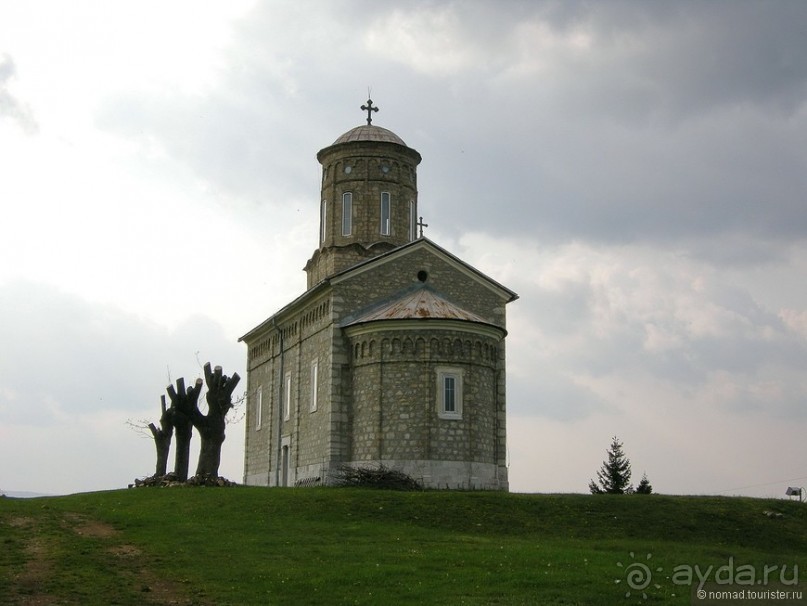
449, 393
347, 213
314, 384
385, 213
287, 397
258, 407
412, 220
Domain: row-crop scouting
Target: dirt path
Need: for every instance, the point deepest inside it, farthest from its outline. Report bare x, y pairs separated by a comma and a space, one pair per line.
57, 548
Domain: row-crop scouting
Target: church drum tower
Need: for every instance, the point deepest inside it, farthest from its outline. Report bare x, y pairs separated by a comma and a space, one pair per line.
395, 353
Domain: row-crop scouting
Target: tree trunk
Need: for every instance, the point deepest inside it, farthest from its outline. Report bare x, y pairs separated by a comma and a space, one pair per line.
182, 456
212, 439
183, 405
162, 439
211, 426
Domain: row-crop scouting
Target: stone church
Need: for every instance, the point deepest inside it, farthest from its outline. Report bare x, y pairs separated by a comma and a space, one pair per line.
395, 353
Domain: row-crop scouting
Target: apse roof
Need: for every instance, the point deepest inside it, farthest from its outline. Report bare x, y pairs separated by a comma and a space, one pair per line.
368, 132
419, 303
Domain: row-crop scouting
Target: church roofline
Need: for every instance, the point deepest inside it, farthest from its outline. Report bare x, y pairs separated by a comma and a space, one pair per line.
424, 242
364, 144
277, 317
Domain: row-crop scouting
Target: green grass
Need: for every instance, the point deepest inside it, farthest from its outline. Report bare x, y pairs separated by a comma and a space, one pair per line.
348, 546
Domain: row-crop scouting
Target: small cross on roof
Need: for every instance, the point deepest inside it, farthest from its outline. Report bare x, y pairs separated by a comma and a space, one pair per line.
421, 225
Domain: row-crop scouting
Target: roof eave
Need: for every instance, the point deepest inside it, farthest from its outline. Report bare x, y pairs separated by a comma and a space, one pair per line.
360, 328
279, 315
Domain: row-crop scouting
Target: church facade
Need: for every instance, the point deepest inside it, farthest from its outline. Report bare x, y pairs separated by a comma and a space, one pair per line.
395, 353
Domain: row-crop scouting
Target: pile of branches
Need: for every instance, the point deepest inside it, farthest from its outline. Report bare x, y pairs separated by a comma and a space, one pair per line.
375, 477
171, 480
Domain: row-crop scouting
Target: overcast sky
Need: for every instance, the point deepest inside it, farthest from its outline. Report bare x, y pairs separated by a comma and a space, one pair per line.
636, 171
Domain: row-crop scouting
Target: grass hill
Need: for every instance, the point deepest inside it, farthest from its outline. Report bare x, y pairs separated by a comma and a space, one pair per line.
349, 546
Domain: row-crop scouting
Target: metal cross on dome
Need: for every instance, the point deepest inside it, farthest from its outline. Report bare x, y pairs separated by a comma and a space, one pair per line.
369, 109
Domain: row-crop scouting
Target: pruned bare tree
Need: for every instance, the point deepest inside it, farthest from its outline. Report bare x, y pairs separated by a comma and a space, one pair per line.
211, 426
181, 412
162, 438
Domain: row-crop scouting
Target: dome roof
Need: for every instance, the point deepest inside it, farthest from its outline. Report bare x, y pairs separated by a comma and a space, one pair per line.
368, 132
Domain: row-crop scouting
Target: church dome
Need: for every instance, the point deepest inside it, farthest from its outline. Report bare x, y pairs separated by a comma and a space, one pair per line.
368, 132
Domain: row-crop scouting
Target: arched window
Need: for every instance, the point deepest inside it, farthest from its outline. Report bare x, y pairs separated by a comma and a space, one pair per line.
258, 407
347, 213
287, 398
314, 384
385, 213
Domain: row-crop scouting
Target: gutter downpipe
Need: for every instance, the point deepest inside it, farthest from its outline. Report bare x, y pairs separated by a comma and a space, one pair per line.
279, 452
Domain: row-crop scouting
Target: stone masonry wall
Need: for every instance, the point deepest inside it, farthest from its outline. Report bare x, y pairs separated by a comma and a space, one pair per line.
289, 350
395, 398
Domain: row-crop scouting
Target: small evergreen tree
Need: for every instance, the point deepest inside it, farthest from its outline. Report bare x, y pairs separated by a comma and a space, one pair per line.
644, 486
614, 475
